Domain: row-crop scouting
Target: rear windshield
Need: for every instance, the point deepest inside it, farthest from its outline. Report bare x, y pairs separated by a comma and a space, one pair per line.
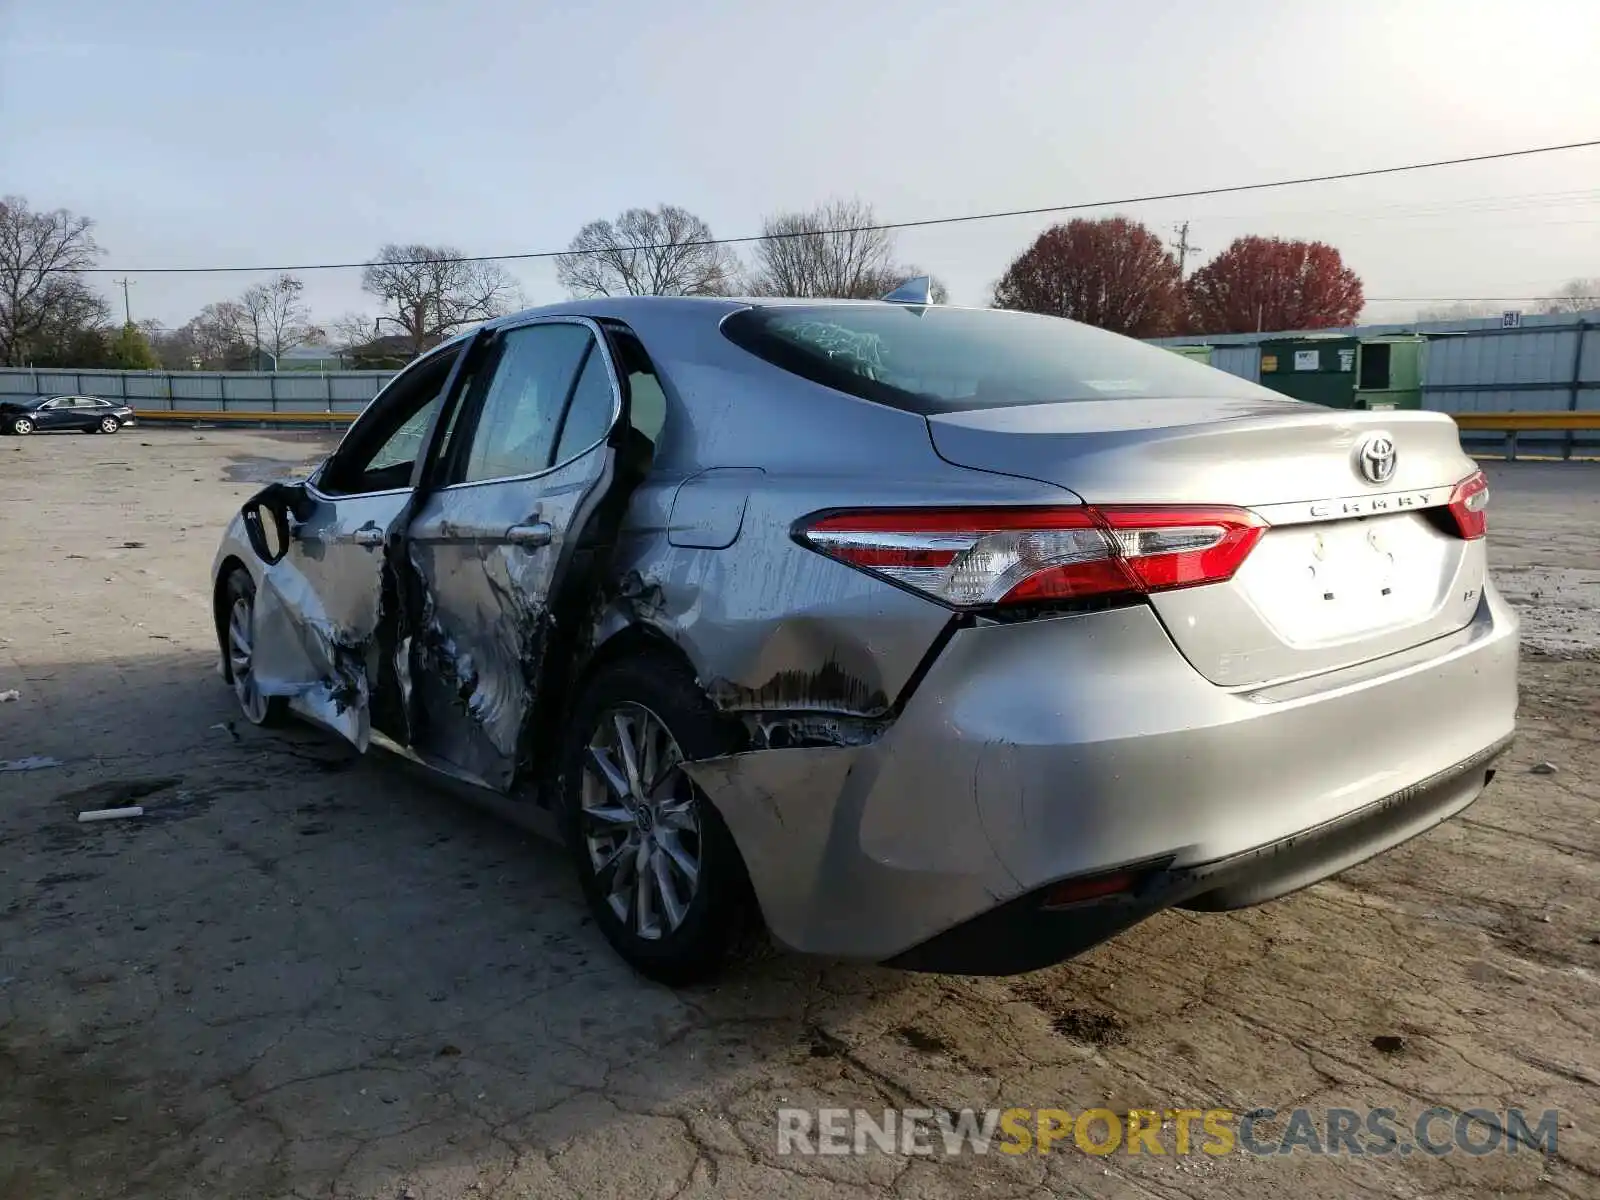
933, 360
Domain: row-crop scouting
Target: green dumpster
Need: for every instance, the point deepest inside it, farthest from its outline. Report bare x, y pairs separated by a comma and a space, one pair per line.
1346, 372
1389, 372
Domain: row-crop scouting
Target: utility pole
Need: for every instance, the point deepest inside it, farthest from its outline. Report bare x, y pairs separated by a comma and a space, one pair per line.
127, 310
1184, 245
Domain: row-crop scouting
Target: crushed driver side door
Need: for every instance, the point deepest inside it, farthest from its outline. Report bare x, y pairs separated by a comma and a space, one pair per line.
325, 607
493, 538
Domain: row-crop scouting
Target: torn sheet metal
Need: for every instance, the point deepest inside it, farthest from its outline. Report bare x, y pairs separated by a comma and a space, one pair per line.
474, 661
770, 635
317, 613
487, 563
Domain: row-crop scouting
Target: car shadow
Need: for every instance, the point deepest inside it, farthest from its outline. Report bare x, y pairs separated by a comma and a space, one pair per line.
301, 963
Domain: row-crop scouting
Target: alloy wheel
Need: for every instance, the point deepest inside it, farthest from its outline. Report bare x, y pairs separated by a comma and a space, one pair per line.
108, 425
241, 649
640, 821
22, 425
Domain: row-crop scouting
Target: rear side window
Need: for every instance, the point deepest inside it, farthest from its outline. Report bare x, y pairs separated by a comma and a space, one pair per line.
933, 360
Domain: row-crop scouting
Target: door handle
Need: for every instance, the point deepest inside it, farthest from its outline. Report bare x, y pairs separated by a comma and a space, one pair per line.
368, 537
531, 536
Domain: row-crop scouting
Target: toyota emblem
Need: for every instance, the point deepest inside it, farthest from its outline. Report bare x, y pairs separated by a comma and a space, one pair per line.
1376, 457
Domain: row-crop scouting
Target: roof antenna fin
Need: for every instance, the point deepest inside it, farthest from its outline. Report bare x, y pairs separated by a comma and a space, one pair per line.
918, 290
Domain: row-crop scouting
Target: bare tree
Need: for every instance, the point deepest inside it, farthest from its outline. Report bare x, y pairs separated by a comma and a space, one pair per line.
219, 336
44, 304
350, 330
1579, 295
665, 251
277, 317
430, 293
832, 251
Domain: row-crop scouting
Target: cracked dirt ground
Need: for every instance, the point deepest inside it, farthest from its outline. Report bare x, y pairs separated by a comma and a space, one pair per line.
303, 975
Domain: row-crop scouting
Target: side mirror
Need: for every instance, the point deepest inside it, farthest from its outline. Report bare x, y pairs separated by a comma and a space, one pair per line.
266, 518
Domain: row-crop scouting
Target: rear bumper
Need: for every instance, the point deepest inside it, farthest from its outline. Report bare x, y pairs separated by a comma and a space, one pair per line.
1045, 750
1024, 934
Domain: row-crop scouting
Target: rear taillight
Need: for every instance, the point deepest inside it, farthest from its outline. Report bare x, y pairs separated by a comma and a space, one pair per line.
972, 558
1469, 506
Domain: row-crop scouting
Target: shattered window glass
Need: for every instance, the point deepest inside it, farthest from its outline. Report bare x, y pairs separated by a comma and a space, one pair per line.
930, 359
405, 443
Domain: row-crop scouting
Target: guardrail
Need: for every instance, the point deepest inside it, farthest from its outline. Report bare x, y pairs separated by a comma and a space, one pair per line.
232, 417
1513, 423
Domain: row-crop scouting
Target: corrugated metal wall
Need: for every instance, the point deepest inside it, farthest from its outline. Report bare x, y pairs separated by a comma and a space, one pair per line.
1243, 361
207, 391
1533, 370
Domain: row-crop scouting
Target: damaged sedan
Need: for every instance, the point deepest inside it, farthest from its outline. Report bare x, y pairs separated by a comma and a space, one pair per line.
958, 640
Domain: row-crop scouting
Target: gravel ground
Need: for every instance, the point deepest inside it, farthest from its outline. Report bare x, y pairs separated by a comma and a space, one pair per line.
305, 974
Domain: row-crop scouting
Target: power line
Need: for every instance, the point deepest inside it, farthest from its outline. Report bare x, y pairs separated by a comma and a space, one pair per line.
923, 223
1471, 299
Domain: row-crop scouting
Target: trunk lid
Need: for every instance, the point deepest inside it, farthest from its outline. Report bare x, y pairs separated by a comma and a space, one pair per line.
1350, 569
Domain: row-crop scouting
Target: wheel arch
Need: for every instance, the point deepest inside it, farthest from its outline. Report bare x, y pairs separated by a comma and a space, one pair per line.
566, 674
219, 607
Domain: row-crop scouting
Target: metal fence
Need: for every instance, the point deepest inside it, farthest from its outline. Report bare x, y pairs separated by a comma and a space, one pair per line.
207, 391
1549, 363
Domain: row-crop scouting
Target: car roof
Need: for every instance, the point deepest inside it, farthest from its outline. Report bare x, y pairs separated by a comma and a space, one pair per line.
622, 307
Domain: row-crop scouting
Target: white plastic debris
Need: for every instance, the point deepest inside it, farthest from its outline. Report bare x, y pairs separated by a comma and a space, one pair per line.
10, 694
111, 814
36, 762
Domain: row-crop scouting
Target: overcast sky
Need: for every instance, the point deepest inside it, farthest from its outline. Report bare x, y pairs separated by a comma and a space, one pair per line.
199, 133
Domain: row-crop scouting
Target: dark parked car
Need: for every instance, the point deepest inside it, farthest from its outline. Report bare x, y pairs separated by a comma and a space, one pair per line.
44, 414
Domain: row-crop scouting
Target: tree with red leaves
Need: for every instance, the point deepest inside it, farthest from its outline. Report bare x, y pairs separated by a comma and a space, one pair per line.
1260, 284
1113, 273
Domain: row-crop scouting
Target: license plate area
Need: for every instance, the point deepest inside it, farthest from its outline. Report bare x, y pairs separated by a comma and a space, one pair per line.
1332, 581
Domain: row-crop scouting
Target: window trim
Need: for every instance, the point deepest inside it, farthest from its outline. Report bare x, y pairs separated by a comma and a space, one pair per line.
467, 429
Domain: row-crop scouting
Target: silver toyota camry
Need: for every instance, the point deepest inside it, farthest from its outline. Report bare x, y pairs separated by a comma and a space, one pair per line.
955, 639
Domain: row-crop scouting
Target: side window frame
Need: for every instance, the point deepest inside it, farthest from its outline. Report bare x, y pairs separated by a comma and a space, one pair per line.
397, 393
453, 465
626, 348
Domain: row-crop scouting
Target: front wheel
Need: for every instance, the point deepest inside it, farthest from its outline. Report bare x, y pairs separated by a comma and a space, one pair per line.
109, 425
239, 642
21, 425
659, 869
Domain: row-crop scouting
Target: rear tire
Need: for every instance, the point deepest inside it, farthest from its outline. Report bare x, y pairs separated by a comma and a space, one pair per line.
675, 925
238, 644
109, 425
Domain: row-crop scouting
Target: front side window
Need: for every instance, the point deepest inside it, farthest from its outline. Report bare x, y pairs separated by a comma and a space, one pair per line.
382, 448
931, 360
524, 399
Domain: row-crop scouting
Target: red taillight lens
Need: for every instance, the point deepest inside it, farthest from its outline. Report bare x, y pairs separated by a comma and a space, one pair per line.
975, 557
1469, 505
